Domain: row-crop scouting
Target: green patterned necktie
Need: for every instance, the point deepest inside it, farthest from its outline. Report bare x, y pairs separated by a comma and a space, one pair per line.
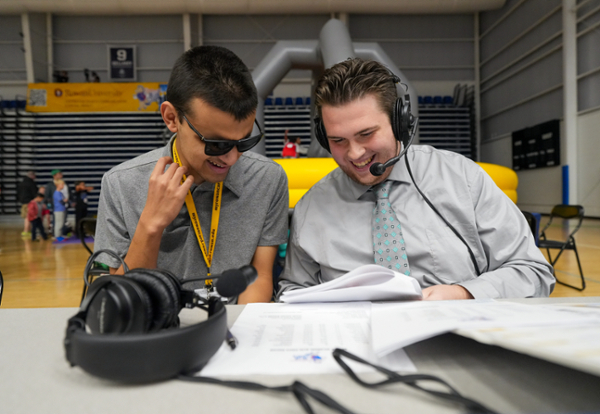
389, 249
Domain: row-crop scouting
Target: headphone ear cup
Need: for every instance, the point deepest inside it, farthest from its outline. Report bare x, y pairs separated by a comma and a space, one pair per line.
164, 296
321, 134
406, 120
400, 132
118, 306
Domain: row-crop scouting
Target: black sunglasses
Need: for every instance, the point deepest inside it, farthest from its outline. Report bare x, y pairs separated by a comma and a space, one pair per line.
223, 146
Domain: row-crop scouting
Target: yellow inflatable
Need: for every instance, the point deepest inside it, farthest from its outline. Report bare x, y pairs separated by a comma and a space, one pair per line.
303, 173
504, 177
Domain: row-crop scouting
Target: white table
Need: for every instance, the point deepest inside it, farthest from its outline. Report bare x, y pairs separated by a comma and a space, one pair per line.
36, 378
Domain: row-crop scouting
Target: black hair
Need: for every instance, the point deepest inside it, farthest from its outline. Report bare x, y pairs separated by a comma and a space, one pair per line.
215, 75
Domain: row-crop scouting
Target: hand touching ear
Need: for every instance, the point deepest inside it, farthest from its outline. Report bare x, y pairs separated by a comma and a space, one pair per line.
166, 194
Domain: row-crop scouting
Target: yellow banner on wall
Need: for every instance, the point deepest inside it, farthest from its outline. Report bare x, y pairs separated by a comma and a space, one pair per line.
95, 97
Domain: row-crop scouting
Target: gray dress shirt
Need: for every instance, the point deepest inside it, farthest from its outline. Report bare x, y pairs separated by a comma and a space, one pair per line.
331, 230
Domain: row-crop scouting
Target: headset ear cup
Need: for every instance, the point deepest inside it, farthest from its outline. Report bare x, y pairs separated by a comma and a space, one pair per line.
163, 293
406, 120
396, 121
118, 306
321, 134
174, 287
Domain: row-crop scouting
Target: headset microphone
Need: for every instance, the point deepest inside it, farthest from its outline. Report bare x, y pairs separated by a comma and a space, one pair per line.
378, 168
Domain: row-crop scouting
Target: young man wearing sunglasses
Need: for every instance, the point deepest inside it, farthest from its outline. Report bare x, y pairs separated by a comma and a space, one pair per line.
202, 204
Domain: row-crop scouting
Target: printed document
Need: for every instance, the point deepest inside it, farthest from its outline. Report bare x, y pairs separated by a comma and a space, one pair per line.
576, 345
365, 283
279, 339
417, 321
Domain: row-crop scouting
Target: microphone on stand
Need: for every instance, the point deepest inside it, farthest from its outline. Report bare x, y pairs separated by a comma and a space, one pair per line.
378, 168
231, 282
228, 284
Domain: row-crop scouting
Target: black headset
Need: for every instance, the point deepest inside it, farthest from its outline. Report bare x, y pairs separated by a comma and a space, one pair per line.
404, 126
134, 333
402, 120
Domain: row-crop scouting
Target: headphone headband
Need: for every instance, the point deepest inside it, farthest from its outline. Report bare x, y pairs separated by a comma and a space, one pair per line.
129, 352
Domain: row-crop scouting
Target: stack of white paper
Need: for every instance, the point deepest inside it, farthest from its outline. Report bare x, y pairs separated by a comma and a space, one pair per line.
366, 283
282, 339
395, 326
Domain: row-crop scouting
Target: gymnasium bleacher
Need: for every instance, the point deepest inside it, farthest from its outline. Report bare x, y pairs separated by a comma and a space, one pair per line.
86, 145
83, 145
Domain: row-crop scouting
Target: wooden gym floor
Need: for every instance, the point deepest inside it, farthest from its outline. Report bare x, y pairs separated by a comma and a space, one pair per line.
42, 274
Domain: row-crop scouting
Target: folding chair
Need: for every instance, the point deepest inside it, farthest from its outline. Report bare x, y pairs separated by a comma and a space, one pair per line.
567, 212
87, 227
533, 219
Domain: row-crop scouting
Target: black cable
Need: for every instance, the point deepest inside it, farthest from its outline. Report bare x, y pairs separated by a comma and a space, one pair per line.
90, 263
410, 380
471, 254
300, 391
196, 279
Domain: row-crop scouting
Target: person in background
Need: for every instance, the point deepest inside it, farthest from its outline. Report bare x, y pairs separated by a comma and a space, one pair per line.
46, 213
300, 150
35, 210
59, 210
292, 148
26, 191
289, 148
81, 202
50, 188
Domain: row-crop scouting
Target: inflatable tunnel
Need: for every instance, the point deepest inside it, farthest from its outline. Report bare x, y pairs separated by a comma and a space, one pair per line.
334, 45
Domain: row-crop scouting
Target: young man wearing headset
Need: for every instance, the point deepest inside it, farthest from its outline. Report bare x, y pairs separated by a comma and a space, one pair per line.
481, 248
240, 198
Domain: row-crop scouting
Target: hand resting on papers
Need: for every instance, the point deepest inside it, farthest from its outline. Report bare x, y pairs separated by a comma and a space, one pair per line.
446, 292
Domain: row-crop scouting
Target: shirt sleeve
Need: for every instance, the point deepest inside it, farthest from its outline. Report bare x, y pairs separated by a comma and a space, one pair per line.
515, 266
301, 149
111, 231
300, 270
65, 192
275, 228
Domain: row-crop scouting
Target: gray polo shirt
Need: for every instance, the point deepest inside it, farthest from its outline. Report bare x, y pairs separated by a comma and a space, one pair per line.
254, 212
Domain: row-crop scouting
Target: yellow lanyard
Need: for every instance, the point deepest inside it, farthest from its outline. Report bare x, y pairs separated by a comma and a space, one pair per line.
214, 224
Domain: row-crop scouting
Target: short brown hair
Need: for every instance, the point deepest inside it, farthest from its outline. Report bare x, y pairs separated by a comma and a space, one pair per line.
353, 79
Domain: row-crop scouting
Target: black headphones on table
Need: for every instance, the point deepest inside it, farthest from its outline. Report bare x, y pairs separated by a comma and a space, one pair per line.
402, 120
133, 324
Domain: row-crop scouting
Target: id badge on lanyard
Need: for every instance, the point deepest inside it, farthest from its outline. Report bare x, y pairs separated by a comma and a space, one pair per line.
207, 253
